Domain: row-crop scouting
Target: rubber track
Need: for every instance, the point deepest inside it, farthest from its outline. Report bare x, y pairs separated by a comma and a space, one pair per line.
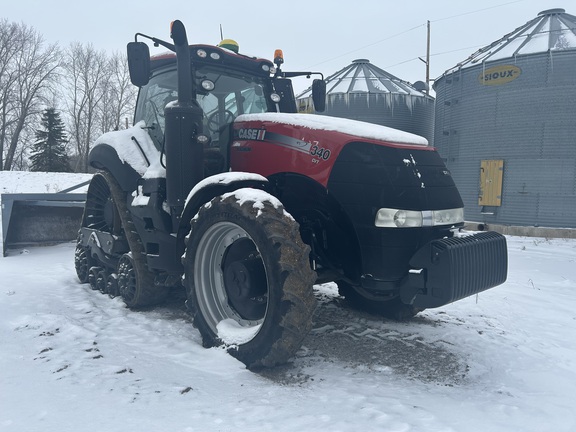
149, 294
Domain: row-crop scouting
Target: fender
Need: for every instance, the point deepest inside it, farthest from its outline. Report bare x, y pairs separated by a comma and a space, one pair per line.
210, 188
105, 157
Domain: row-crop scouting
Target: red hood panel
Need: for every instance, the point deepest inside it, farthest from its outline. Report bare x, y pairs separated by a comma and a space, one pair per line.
307, 144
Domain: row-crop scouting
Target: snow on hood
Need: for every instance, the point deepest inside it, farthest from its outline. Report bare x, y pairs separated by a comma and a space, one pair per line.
338, 124
129, 152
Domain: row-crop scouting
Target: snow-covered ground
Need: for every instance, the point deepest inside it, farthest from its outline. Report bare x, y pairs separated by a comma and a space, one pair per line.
72, 359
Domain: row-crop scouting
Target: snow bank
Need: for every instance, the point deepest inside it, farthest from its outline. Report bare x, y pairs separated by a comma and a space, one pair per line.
40, 182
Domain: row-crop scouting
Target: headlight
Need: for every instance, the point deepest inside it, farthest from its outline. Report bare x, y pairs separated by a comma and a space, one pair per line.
398, 218
394, 218
447, 217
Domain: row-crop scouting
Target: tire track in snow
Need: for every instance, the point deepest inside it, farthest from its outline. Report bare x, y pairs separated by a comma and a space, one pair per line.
349, 338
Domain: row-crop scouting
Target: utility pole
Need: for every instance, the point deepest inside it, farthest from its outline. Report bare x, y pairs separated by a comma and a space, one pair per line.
428, 55
427, 61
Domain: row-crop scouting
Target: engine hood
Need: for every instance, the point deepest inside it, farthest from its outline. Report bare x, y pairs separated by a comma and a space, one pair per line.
307, 144
353, 128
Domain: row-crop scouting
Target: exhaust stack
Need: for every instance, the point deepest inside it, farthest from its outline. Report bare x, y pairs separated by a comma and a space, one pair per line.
184, 153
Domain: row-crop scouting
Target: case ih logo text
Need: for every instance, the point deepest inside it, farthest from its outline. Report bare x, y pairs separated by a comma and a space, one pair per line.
499, 75
252, 134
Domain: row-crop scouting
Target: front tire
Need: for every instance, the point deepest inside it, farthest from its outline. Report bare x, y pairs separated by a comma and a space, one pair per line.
248, 278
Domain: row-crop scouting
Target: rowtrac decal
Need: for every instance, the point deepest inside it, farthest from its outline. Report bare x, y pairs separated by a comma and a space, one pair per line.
499, 75
313, 148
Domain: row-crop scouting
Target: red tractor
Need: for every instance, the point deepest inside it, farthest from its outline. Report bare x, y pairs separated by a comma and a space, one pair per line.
222, 187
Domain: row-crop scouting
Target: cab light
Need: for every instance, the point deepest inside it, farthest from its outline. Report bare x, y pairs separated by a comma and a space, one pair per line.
203, 139
278, 57
207, 85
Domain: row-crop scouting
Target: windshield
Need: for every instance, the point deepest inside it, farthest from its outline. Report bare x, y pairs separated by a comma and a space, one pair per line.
232, 95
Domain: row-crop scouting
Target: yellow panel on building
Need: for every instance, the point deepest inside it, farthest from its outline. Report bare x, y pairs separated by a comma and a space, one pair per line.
491, 174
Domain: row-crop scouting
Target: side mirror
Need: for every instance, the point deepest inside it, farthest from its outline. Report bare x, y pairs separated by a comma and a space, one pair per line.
319, 95
138, 63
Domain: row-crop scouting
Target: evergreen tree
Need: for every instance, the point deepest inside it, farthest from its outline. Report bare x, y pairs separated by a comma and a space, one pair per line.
49, 150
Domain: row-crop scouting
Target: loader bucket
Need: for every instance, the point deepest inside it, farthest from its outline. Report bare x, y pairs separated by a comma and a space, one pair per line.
40, 218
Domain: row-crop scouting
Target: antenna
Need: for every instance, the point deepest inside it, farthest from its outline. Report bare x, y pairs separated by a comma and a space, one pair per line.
221, 36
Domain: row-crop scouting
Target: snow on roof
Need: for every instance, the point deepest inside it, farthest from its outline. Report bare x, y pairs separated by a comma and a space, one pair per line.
551, 30
361, 76
337, 124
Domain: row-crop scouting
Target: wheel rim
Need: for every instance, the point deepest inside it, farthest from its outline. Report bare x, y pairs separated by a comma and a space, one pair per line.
230, 283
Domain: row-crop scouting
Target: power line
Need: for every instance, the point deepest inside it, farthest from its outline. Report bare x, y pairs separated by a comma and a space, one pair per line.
369, 45
414, 28
432, 55
476, 11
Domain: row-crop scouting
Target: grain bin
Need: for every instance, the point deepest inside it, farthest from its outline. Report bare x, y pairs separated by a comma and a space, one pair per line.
505, 124
363, 91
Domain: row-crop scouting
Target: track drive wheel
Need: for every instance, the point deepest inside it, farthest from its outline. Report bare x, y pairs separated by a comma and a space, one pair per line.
101, 278
112, 285
248, 278
390, 308
82, 262
127, 286
93, 277
137, 290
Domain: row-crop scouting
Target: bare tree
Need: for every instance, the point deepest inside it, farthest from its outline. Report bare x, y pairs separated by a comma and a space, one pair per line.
95, 97
119, 95
27, 70
86, 74
8, 42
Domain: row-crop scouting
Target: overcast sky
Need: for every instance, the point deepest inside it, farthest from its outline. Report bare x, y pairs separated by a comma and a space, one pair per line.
323, 36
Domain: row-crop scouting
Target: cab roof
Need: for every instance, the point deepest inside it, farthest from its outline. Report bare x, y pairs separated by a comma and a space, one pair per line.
210, 55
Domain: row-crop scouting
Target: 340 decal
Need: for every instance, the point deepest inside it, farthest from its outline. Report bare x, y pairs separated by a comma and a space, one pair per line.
320, 152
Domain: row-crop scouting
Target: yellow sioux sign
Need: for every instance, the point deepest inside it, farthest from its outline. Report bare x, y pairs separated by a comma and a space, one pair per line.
499, 75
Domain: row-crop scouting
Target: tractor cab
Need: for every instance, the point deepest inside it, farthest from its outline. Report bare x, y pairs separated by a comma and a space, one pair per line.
224, 83
221, 95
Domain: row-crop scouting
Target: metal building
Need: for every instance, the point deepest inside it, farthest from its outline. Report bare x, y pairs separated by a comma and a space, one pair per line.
362, 91
506, 125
